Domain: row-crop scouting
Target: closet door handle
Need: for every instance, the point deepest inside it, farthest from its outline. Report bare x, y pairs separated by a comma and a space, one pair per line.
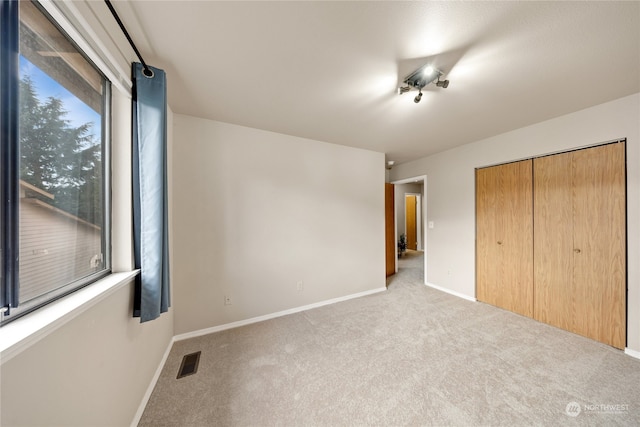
499, 242
576, 250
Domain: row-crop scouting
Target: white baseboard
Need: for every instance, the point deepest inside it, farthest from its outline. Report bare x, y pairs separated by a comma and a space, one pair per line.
152, 385
632, 353
239, 323
449, 291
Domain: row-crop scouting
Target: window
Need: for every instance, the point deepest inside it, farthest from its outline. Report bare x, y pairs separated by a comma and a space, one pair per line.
55, 163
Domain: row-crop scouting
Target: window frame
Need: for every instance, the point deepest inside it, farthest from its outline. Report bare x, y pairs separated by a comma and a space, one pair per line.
10, 308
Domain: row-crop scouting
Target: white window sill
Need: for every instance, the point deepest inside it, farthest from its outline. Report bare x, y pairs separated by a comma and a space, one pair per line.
26, 331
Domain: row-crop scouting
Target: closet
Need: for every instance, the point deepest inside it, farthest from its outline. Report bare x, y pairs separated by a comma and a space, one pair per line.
568, 267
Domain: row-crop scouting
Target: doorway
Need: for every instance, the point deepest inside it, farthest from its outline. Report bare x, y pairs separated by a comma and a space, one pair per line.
410, 213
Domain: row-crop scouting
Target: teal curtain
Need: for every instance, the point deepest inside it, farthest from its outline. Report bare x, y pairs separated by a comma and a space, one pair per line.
150, 213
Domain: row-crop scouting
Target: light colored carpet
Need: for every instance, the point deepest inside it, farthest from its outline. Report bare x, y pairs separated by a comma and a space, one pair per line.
408, 356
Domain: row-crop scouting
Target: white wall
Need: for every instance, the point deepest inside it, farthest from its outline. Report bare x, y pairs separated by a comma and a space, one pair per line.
451, 190
93, 371
258, 211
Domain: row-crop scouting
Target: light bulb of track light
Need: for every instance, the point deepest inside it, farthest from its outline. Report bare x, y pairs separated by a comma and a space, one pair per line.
428, 71
417, 98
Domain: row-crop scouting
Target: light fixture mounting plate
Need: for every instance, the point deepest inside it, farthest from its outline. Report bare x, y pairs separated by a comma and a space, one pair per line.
423, 76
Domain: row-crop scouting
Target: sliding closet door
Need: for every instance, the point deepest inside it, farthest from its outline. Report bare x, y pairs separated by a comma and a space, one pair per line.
580, 242
504, 236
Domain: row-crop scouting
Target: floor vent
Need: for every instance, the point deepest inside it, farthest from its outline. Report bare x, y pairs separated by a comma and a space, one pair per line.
189, 365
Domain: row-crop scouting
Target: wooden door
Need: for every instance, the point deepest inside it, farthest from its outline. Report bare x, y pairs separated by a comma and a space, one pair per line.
410, 216
580, 247
600, 243
553, 243
389, 230
504, 236
487, 251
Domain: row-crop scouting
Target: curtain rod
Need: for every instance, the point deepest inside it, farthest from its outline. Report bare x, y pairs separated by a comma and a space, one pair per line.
147, 71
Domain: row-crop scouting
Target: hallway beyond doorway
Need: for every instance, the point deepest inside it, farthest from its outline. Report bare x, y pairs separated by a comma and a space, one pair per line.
410, 268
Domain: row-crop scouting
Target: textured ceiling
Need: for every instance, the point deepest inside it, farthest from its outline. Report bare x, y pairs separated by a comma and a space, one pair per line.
329, 70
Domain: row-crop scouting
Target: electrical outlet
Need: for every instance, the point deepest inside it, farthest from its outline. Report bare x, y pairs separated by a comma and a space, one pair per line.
300, 286
227, 300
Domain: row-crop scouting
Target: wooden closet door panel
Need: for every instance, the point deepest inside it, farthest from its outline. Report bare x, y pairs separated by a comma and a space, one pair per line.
486, 249
504, 242
553, 241
515, 237
600, 243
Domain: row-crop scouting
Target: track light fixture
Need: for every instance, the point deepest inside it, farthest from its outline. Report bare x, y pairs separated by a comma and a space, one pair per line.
418, 96
442, 83
422, 77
